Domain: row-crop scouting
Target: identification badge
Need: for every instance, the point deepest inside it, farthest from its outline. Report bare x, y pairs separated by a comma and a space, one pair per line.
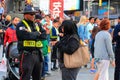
29, 43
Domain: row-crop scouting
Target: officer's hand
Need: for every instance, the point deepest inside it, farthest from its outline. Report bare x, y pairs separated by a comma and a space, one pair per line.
40, 32
27, 30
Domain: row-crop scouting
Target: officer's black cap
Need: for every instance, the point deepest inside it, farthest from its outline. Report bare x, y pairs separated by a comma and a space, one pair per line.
29, 9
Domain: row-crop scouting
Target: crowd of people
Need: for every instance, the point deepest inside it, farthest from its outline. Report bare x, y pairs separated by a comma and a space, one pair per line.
42, 41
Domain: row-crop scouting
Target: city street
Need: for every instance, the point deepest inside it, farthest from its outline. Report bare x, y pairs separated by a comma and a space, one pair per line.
84, 74
36, 34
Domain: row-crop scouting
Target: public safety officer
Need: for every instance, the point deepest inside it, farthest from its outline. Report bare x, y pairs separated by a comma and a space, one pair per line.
29, 45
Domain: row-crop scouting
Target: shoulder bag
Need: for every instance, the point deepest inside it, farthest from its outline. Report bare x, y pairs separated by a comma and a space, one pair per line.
79, 58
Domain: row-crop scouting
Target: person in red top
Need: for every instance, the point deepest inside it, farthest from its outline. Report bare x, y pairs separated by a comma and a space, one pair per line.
10, 34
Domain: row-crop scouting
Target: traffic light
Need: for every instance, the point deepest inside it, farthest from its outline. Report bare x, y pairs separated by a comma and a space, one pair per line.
28, 1
100, 2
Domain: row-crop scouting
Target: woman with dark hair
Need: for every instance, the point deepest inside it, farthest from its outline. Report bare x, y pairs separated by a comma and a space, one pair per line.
68, 44
103, 51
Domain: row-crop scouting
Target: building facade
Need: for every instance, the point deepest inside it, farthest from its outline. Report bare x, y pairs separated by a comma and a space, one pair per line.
109, 8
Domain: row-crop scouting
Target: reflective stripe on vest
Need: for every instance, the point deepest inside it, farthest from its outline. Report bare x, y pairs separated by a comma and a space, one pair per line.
31, 43
28, 27
51, 36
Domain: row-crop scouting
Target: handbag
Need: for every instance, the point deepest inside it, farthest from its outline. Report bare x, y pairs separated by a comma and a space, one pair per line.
79, 58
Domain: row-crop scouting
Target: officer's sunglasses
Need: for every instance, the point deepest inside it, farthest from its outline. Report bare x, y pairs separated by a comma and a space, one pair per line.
31, 14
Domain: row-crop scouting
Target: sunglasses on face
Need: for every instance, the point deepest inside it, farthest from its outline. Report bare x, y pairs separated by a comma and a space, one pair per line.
31, 14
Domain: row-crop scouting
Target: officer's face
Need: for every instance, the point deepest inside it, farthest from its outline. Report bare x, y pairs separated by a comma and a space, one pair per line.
30, 16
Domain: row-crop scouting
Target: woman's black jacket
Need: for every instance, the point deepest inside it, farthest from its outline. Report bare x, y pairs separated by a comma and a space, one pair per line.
69, 44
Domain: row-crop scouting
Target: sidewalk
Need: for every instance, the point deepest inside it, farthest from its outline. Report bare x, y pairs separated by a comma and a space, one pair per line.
84, 74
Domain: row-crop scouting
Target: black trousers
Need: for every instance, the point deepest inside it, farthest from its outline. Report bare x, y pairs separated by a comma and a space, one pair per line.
69, 73
54, 56
117, 63
30, 65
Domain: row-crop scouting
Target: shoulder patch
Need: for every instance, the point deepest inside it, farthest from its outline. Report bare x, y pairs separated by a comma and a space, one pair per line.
21, 28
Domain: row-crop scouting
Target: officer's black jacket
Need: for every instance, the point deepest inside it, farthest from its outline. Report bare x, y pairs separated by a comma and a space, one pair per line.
22, 34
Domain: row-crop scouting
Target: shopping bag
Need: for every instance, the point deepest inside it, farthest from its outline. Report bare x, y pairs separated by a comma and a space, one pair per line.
3, 64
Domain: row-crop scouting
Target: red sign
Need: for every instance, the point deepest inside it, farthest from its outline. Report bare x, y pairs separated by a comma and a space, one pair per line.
56, 8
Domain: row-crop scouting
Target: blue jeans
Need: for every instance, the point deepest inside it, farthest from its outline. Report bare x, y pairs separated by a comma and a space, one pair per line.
45, 65
48, 38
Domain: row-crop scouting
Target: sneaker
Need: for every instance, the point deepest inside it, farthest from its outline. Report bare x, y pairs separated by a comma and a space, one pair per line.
42, 78
47, 74
92, 71
54, 69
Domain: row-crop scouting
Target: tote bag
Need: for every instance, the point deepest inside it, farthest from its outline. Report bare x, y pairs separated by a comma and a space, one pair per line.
79, 58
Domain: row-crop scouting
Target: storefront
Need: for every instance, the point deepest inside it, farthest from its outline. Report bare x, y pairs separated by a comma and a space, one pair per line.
109, 8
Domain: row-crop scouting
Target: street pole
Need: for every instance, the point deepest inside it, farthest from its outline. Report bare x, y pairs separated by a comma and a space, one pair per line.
88, 8
108, 9
84, 7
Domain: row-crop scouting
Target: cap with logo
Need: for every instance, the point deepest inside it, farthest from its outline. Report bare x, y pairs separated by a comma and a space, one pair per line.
29, 9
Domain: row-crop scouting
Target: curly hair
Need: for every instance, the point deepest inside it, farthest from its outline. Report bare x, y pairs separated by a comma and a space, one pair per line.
105, 24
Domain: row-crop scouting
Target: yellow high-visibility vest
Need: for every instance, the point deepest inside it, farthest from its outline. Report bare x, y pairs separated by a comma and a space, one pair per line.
31, 43
51, 36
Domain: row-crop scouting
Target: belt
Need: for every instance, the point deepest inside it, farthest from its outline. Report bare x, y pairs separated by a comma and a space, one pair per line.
30, 52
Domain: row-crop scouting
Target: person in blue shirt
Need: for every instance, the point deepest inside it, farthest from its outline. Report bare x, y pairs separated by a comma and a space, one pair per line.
82, 29
54, 37
1, 9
